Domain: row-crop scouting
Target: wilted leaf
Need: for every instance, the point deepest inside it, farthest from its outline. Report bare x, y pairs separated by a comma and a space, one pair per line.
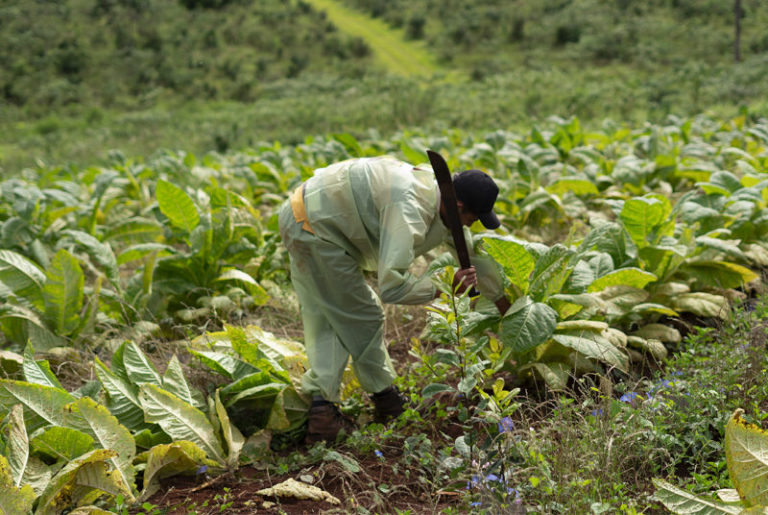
297, 490
166, 460
681, 501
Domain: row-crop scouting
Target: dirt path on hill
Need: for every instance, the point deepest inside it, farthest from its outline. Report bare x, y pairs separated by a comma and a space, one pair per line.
401, 57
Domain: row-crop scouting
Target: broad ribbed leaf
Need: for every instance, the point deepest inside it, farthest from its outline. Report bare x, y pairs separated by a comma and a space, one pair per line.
177, 206
720, 274
702, 304
746, 452
18, 444
643, 217
22, 277
42, 404
101, 252
175, 382
634, 277
261, 391
38, 372
63, 293
140, 230
13, 500
232, 436
62, 443
180, 420
595, 347
123, 397
78, 478
225, 364
527, 324
572, 185
138, 367
166, 460
257, 291
681, 501
514, 258
110, 434
253, 380
141, 250
551, 272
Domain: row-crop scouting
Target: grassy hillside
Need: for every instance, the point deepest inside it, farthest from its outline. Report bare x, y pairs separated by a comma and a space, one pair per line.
125, 53
83, 77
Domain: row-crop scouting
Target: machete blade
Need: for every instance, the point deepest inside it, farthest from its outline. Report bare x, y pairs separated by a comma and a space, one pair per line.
448, 196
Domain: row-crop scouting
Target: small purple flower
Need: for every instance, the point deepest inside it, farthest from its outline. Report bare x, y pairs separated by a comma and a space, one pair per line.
378, 453
506, 424
476, 503
491, 477
597, 412
202, 469
628, 397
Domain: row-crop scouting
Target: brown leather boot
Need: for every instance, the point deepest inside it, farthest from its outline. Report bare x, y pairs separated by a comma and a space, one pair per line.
388, 404
325, 423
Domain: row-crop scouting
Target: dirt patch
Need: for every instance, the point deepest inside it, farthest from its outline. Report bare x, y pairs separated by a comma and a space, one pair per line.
376, 487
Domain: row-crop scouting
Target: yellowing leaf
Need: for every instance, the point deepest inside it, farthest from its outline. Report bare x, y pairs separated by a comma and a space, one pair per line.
746, 452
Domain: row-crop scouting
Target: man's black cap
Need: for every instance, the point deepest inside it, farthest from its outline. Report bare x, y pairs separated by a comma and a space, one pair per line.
478, 191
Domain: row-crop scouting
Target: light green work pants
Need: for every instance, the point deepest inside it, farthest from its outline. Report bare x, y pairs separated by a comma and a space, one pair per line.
342, 314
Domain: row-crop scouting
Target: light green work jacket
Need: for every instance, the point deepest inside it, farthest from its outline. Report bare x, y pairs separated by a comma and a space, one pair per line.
384, 213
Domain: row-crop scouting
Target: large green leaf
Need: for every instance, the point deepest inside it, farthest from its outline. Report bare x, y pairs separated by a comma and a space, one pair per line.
101, 252
63, 293
633, 277
42, 404
224, 364
123, 396
38, 372
180, 420
177, 206
166, 460
14, 500
746, 452
79, 478
573, 185
62, 443
719, 274
110, 434
175, 382
595, 347
681, 501
550, 272
527, 324
138, 367
22, 277
514, 258
645, 219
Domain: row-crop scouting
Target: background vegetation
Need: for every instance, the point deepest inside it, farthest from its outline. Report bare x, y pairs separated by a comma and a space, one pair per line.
84, 77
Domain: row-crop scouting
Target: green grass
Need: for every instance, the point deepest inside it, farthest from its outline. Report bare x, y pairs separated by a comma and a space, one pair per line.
396, 55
